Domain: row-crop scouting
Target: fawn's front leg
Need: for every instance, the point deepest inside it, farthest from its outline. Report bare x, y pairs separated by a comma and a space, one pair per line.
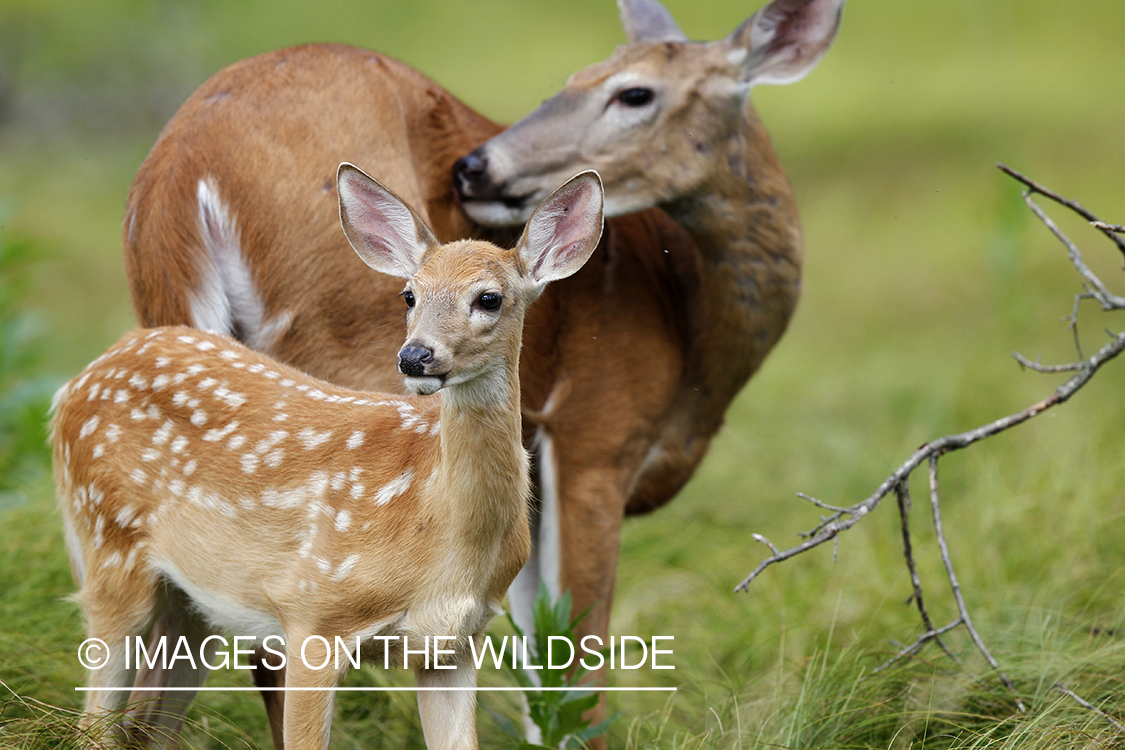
447, 702
308, 710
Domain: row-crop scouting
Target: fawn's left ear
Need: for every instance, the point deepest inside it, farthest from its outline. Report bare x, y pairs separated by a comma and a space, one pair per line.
564, 230
385, 232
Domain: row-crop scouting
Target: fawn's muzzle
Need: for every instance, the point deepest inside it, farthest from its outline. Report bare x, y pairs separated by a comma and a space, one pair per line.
412, 360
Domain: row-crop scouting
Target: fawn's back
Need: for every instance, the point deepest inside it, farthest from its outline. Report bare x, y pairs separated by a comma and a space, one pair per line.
344, 471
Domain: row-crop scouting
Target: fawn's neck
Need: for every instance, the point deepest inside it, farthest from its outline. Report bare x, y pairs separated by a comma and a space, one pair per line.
484, 467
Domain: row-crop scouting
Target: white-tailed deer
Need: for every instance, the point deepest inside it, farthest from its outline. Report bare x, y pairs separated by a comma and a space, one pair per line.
207, 488
629, 365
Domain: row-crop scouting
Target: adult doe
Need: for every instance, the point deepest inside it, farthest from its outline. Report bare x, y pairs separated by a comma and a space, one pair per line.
630, 364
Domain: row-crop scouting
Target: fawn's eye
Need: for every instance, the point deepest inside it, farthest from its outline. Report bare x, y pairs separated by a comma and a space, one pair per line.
490, 301
635, 97
409, 297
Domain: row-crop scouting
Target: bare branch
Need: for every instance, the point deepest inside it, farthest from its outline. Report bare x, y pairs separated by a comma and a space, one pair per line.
1094, 285
821, 504
1074, 206
1025, 362
849, 517
843, 518
903, 492
935, 505
1086, 704
913, 648
767, 542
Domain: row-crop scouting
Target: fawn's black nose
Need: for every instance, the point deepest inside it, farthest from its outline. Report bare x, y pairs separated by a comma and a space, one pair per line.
412, 359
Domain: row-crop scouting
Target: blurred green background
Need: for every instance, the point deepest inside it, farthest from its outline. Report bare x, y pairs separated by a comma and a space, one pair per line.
923, 271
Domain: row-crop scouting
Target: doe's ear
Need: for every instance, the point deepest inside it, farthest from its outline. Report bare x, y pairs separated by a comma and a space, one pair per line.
564, 230
648, 21
786, 39
385, 232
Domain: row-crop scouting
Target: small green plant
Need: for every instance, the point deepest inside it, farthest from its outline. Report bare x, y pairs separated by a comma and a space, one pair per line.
557, 713
25, 394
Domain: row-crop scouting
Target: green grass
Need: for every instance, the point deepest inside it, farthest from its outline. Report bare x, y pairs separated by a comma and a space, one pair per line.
923, 271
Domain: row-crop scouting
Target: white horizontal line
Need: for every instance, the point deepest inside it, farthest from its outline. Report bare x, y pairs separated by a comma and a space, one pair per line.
379, 689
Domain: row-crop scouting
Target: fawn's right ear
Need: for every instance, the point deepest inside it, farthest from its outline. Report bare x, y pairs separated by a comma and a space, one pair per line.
564, 230
385, 232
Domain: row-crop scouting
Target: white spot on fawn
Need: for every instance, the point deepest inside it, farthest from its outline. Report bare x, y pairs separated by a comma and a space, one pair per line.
229, 397
345, 567
124, 516
215, 435
355, 440
160, 437
394, 488
269, 442
89, 426
250, 463
310, 438
343, 521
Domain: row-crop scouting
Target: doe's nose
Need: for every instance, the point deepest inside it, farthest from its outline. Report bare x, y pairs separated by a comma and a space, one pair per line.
413, 358
469, 170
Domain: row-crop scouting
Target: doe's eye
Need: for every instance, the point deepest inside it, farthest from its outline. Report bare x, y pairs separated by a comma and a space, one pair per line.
409, 297
490, 301
636, 97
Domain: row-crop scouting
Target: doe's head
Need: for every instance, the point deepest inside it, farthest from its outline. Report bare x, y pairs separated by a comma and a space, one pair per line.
465, 301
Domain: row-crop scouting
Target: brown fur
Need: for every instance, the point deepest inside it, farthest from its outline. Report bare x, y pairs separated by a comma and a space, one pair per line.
644, 349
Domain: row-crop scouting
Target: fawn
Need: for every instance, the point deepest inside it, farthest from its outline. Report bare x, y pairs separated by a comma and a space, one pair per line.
206, 488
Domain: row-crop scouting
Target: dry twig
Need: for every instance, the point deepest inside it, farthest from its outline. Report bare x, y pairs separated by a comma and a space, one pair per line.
1087, 704
843, 518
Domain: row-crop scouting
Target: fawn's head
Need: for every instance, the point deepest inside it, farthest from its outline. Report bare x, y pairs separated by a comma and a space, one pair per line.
465, 301
654, 120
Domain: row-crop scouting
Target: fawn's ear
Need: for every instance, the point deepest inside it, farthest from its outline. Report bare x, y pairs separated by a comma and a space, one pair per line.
385, 232
564, 230
785, 40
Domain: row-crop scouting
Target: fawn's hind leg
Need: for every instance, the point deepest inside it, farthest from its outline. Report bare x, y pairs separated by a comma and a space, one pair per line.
156, 716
